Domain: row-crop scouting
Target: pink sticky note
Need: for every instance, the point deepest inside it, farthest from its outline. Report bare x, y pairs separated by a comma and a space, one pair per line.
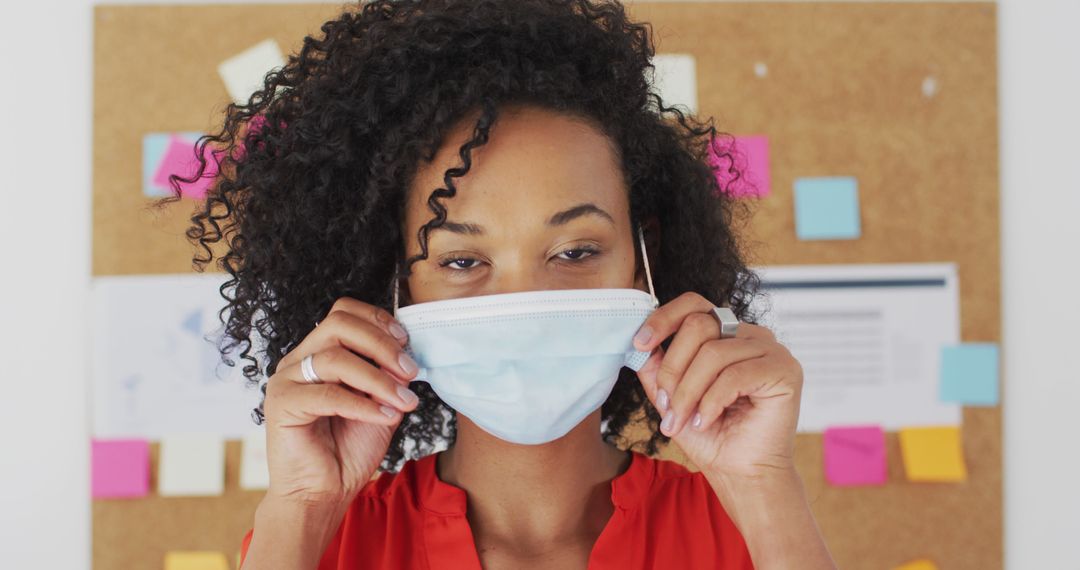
255, 125
180, 159
855, 455
742, 168
119, 468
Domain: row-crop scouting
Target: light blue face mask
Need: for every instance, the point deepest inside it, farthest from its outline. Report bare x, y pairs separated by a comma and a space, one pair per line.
528, 366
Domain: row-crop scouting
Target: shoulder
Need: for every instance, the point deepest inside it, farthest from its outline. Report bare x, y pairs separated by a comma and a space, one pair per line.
671, 484
364, 531
388, 489
379, 524
666, 469
682, 507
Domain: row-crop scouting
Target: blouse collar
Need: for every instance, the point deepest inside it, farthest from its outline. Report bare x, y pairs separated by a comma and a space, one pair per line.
442, 498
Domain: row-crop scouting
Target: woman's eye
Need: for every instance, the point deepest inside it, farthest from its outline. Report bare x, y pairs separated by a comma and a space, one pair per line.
467, 263
580, 253
447, 262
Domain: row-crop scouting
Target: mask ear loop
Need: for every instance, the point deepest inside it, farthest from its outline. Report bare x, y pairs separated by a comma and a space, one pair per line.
395, 290
645, 260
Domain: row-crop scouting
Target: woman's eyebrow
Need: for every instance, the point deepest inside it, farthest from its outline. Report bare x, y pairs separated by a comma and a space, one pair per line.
558, 219
588, 208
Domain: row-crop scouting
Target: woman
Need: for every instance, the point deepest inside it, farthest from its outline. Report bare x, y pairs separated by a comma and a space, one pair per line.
533, 122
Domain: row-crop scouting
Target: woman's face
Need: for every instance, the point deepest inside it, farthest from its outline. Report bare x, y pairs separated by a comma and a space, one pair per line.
543, 206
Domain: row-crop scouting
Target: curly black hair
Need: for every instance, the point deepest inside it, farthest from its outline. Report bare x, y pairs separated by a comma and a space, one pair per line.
314, 169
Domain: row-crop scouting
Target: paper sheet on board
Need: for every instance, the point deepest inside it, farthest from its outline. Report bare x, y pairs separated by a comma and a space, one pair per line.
155, 366
869, 339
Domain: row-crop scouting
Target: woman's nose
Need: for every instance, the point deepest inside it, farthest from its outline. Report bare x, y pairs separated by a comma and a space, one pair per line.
519, 282
520, 276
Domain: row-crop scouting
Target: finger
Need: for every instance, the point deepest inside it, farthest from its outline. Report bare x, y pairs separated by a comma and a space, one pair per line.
695, 330
668, 318
375, 315
647, 373
743, 378
360, 335
289, 404
338, 364
712, 358
757, 332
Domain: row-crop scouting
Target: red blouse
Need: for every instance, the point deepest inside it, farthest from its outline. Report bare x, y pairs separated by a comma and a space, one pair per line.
665, 517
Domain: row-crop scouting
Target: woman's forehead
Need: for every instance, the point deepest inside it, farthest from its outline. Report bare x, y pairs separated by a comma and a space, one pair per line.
535, 164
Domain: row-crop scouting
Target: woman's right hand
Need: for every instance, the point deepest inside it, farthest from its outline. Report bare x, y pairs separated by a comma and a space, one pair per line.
324, 441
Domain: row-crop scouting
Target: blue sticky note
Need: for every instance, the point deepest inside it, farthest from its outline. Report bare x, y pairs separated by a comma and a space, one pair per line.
154, 147
827, 208
969, 374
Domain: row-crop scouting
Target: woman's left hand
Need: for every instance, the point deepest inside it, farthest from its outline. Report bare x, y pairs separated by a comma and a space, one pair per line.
745, 390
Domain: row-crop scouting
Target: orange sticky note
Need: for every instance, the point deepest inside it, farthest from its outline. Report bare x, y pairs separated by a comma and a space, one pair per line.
196, 560
933, 453
920, 564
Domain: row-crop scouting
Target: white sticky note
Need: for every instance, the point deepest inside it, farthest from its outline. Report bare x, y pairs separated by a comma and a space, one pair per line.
244, 72
254, 474
675, 80
191, 464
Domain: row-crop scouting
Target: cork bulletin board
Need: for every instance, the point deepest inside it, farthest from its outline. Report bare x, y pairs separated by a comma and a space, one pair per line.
844, 94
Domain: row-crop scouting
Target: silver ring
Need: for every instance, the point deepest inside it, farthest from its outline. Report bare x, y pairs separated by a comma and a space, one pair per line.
729, 323
309, 371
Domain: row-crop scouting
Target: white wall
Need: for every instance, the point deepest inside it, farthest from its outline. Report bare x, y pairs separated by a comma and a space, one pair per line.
45, 113
1039, 51
45, 125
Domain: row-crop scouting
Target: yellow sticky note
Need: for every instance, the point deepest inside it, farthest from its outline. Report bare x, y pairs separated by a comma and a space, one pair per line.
932, 453
921, 564
196, 560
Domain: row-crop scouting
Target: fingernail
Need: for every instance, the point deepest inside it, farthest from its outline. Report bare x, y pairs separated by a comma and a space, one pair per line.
388, 411
407, 363
668, 423
662, 399
697, 420
407, 395
398, 331
643, 335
